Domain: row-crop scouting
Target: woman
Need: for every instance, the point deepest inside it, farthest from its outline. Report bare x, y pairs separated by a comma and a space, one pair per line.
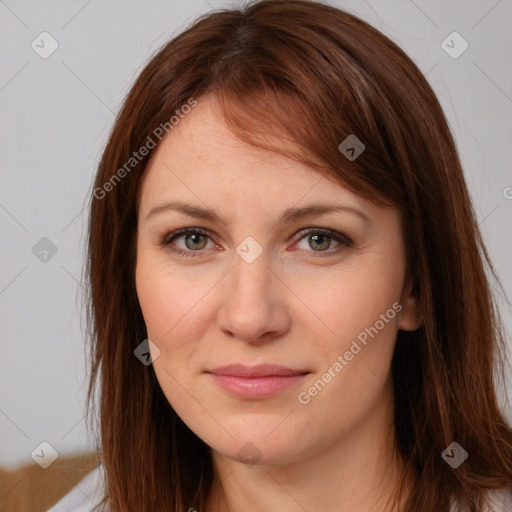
288, 300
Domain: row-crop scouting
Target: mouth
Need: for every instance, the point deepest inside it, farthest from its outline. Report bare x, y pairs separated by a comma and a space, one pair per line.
255, 382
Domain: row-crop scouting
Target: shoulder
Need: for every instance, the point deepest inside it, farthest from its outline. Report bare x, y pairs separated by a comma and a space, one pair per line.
499, 500
84, 496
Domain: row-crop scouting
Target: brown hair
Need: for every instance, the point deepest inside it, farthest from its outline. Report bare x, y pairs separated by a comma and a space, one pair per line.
310, 74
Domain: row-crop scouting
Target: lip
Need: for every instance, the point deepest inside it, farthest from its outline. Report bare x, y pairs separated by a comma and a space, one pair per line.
259, 370
255, 382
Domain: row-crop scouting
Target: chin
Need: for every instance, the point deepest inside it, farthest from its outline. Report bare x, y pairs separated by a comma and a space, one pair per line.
258, 446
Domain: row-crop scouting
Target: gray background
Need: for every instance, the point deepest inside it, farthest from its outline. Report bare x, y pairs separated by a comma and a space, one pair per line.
56, 114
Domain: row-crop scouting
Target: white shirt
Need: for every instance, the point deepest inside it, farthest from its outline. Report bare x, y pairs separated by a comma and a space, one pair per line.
501, 501
84, 496
89, 491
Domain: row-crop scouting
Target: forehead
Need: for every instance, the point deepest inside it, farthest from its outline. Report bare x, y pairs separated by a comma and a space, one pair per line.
201, 159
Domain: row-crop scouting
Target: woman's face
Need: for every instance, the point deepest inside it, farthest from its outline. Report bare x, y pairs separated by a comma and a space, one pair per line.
264, 283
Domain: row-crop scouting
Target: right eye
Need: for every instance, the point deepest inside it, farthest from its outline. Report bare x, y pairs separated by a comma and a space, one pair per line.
191, 236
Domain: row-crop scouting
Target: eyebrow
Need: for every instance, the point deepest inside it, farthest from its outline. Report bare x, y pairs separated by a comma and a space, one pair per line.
289, 215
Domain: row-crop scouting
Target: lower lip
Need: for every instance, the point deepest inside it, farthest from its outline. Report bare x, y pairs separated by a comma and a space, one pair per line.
255, 387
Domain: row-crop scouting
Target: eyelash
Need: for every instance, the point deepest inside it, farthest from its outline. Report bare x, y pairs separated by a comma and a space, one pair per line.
339, 237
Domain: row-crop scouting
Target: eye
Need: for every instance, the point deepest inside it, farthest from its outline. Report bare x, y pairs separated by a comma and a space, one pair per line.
196, 239
321, 239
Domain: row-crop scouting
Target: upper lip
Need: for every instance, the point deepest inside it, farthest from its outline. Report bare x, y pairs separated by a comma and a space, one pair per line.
260, 370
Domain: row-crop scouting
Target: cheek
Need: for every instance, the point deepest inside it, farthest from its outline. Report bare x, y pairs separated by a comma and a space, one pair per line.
169, 309
359, 311
154, 296
345, 303
176, 307
357, 349
168, 301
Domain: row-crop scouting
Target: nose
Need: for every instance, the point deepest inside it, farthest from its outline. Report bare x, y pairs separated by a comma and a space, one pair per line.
254, 307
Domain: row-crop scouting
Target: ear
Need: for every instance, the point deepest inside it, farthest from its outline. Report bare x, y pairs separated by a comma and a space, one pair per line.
409, 319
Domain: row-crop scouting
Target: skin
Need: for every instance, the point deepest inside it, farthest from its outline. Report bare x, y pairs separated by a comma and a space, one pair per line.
334, 453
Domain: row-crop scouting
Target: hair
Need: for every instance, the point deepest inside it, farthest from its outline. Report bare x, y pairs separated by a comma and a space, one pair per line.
307, 74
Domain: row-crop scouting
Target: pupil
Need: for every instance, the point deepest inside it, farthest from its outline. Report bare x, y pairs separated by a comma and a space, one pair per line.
316, 237
194, 238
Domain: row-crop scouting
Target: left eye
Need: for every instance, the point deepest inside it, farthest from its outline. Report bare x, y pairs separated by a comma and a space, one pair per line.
322, 240
196, 240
